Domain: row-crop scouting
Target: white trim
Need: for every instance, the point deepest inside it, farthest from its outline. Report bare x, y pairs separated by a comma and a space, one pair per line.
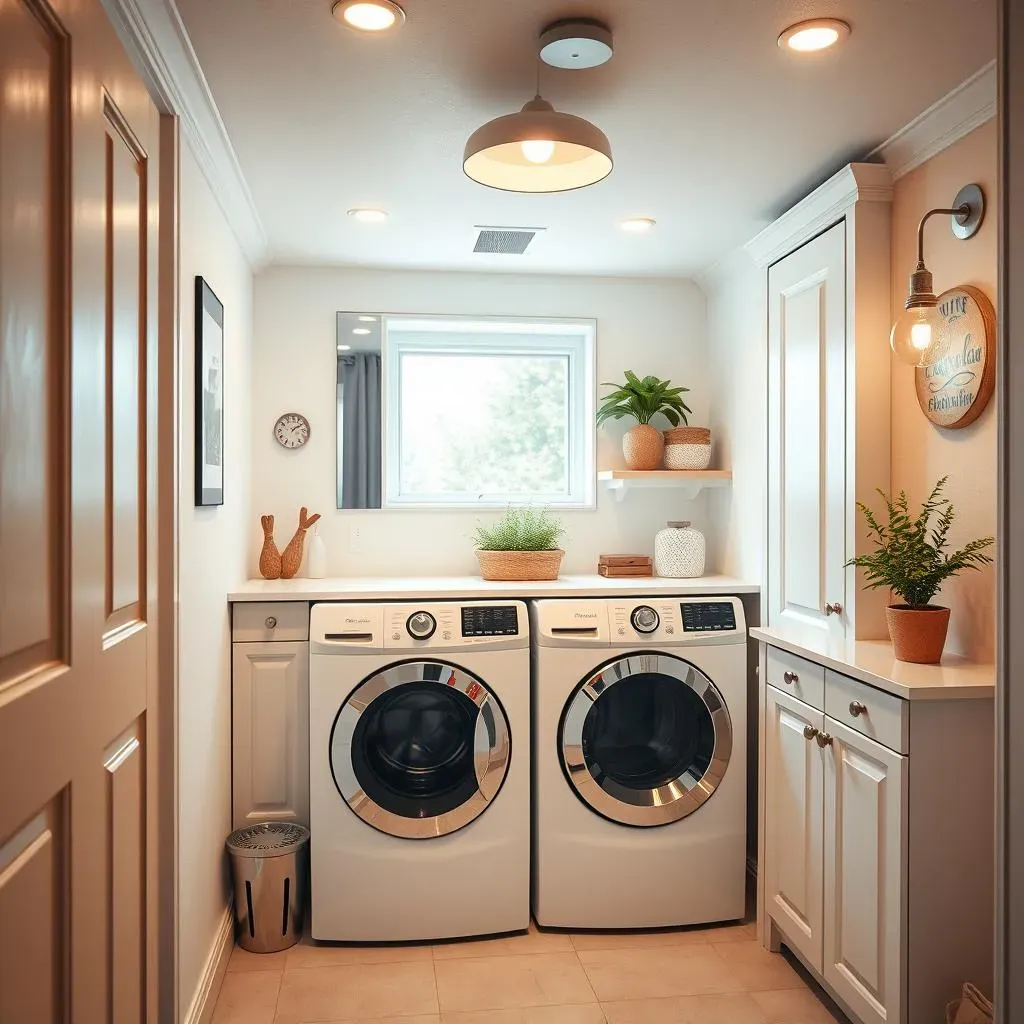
159, 45
959, 112
827, 204
205, 999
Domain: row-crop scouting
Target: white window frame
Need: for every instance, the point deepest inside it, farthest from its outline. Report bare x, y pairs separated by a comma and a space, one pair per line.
490, 335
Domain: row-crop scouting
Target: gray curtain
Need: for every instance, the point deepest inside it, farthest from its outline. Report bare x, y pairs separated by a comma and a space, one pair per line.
359, 484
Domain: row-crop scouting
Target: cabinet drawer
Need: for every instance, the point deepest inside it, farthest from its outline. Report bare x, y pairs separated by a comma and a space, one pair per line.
877, 715
256, 621
798, 676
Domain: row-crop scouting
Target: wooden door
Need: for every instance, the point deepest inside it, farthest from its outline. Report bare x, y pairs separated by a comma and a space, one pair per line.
78, 138
793, 808
807, 426
270, 728
865, 862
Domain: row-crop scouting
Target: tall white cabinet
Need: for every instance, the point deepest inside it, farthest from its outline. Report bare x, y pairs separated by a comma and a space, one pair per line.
827, 266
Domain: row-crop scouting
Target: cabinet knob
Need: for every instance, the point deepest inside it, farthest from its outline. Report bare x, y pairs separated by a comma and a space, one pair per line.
834, 609
271, 622
824, 739
856, 708
810, 732
790, 678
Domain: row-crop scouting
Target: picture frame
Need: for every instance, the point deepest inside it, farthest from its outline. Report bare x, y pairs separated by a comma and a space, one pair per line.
209, 396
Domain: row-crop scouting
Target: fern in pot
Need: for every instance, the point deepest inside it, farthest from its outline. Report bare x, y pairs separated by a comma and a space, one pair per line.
521, 545
911, 560
642, 400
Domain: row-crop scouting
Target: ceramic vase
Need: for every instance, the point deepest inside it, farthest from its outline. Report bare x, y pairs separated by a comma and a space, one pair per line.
270, 557
291, 557
642, 447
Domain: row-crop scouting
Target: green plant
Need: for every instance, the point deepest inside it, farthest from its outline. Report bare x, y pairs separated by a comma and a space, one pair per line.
643, 400
521, 529
911, 558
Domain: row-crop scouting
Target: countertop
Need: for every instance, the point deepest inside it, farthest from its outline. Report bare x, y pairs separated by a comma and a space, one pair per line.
873, 662
435, 588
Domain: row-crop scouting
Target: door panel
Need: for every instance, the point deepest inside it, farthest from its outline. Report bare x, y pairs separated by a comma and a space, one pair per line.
807, 435
865, 805
793, 822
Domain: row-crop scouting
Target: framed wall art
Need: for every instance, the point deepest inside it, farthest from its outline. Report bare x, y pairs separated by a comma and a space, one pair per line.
209, 439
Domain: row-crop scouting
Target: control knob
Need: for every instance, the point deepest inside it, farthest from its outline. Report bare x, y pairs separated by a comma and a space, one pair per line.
644, 619
421, 625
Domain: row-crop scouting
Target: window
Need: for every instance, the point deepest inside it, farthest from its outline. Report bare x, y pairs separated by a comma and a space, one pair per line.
489, 411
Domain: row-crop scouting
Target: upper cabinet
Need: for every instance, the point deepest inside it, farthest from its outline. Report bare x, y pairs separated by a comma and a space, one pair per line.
827, 266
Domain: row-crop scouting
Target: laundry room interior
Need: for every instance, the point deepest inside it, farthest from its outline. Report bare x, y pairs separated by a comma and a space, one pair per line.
588, 504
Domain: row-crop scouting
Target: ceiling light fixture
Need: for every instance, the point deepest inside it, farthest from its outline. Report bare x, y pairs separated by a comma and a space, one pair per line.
916, 337
368, 15
344, 348
817, 34
367, 215
360, 330
368, 319
638, 225
576, 43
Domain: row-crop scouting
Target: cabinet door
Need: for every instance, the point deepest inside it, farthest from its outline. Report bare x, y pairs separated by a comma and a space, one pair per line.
807, 436
270, 730
793, 809
865, 862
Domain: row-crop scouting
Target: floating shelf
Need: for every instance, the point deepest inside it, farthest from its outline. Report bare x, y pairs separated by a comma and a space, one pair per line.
690, 481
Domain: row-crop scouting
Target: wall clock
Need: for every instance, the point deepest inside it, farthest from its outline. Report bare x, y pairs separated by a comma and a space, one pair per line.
954, 391
291, 430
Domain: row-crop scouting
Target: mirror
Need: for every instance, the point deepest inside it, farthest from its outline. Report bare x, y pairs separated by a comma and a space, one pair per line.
359, 341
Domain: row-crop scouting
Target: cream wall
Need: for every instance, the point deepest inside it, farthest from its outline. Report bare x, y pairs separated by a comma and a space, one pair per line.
213, 555
649, 326
922, 452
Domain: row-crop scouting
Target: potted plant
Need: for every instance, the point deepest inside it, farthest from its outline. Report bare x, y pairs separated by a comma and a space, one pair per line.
644, 399
911, 560
521, 545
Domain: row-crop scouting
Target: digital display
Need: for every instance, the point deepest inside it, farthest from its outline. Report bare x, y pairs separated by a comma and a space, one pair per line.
490, 621
708, 616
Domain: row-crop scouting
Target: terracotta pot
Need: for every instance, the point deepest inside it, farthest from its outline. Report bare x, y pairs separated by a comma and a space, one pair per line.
918, 634
642, 446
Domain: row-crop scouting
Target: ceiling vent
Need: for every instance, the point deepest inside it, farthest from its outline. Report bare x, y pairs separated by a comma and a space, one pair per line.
507, 241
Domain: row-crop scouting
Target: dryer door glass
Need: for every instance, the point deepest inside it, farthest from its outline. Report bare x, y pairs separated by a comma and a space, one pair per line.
420, 749
646, 739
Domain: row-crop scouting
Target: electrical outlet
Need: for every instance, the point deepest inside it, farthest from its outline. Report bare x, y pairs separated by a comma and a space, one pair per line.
355, 539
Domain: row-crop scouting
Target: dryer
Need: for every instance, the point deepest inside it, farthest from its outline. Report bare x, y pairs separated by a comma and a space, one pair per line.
640, 759
419, 733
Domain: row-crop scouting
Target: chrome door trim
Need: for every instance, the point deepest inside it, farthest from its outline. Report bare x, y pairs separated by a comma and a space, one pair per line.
491, 749
644, 807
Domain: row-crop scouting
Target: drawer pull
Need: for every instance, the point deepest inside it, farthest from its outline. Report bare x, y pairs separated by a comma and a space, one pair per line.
856, 708
834, 609
790, 678
810, 732
824, 739
271, 622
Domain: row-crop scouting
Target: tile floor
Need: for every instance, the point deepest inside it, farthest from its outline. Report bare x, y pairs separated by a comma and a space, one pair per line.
691, 976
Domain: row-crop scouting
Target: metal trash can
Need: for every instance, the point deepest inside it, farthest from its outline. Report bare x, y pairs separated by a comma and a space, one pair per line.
270, 868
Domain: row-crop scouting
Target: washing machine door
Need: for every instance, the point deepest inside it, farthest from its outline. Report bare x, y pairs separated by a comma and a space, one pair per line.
420, 749
646, 739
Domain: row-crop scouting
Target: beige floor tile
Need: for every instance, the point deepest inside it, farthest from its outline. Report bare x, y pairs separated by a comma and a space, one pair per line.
732, 1008
356, 991
744, 931
584, 1013
533, 941
756, 968
796, 1006
248, 998
428, 1018
511, 982
242, 960
691, 970
638, 940
310, 954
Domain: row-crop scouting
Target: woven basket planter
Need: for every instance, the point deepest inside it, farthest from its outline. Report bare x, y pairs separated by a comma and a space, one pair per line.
688, 435
642, 446
687, 456
918, 634
520, 565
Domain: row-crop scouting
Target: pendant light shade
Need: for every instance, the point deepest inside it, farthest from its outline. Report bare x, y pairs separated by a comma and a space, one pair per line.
538, 149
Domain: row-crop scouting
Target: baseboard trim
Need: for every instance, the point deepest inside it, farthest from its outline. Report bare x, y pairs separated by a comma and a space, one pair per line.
216, 966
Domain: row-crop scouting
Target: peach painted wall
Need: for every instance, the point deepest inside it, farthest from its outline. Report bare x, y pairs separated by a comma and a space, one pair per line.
921, 452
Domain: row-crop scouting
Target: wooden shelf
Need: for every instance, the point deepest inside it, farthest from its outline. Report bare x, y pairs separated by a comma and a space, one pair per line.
690, 481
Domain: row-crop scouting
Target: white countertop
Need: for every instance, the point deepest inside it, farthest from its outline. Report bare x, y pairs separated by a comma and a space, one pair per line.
435, 588
873, 662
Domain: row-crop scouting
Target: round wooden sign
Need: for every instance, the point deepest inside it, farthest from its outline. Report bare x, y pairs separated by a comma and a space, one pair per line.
954, 391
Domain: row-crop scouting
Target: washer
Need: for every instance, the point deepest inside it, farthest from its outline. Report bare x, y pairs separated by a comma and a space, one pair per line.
640, 742
419, 727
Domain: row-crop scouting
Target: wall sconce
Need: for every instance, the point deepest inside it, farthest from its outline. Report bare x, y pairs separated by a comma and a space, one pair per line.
915, 335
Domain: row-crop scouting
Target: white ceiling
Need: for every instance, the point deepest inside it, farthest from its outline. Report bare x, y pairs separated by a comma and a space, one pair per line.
714, 130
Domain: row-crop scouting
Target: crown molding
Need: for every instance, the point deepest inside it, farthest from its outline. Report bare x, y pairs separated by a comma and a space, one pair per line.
959, 112
160, 47
855, 183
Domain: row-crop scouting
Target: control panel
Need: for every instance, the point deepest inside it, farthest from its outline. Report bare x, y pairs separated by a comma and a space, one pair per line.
676, 620
708, 616
490, 620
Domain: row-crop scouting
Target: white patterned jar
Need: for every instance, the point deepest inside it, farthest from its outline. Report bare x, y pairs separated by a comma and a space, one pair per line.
679, 551
687, 456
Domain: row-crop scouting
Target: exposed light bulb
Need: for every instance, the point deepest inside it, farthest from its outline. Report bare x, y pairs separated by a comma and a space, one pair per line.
537, 151
916, 337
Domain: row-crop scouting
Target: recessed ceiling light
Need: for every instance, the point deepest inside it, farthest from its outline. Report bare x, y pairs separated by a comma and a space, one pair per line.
344, 348
369, 216
638, 225
817, 34
360, 330
369, 15
368, 319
